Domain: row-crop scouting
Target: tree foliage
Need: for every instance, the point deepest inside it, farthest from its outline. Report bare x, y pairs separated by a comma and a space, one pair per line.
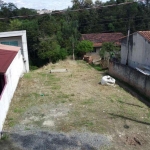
110, 48
84, 46
51, 50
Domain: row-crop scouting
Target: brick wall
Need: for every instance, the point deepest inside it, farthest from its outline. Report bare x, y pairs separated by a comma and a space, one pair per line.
131, 76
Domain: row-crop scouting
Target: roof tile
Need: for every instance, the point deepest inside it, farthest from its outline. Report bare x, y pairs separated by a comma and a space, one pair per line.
99, 38
145, 34
7, 54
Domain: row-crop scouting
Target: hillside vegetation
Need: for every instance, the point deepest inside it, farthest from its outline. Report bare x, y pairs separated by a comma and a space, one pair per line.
53, 36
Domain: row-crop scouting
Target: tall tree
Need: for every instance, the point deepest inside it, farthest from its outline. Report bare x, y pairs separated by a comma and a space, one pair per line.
15, 25
98, 3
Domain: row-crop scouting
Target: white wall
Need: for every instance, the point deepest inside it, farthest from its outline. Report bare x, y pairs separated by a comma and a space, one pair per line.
139, 51
12, 75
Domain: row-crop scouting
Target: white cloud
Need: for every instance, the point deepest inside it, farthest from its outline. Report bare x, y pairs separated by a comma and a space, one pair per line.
41, 4
38, 4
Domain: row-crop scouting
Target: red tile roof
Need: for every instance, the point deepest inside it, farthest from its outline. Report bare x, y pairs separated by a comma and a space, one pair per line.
7, 54
145, 34
99, 38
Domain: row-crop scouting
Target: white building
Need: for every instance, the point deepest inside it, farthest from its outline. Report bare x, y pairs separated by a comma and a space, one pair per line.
13, 63
44, 11
136, 54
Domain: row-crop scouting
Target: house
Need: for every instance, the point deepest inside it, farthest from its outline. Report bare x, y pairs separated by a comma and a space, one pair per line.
44, 11
11, 69
136, 54
134, 68
98, 39
17, 38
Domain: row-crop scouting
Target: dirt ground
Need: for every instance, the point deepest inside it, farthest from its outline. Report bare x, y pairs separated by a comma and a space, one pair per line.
74, 101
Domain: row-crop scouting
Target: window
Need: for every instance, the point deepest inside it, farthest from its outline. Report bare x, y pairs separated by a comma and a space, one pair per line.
12, 43
2, 83
94, 50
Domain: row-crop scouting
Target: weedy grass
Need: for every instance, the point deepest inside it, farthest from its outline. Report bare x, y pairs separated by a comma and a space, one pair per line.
90, 106
4, 137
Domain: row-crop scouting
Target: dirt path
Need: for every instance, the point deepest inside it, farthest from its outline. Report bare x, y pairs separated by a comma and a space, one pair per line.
75, 102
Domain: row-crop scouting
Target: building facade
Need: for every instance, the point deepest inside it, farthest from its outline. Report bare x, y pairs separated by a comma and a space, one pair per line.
11, 69
17, 38
136, 54
98, 39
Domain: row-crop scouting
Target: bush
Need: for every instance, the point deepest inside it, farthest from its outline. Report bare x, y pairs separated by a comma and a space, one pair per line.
63, 54
33, 67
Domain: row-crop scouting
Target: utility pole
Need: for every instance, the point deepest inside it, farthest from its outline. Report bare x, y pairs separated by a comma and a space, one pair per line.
128, 12
73, 48
127, 61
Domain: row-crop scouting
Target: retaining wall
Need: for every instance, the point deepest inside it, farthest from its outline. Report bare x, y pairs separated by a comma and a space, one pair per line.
131, 76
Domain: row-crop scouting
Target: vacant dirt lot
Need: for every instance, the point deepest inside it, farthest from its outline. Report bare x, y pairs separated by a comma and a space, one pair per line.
75, 105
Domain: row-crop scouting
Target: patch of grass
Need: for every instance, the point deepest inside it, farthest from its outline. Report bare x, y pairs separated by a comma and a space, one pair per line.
120, 101
71, 100
90, 110
42, 115
88, 102
43, 74
148, 114
4, 137
27, 76
51, 80
60, 101
39, 123
88, 123
63, 96
56, 87
97, 67
83, 123
70, 76
48, 75
63, 101
11, 123
10, 119
26, 128
33, 68
36, 95
76, 113
80, 62
107, 148
18, 110
112, 100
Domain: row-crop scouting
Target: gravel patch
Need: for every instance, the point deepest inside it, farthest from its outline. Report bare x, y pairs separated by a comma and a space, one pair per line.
58, 141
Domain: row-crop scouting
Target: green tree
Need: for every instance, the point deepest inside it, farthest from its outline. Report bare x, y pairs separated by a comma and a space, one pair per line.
50, 49
98, 3
69, 35
8, 9
15, 25
108, 47
84, 47
88, 3
75, 4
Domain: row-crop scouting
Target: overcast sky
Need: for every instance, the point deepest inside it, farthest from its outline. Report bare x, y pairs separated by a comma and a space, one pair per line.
40, 4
